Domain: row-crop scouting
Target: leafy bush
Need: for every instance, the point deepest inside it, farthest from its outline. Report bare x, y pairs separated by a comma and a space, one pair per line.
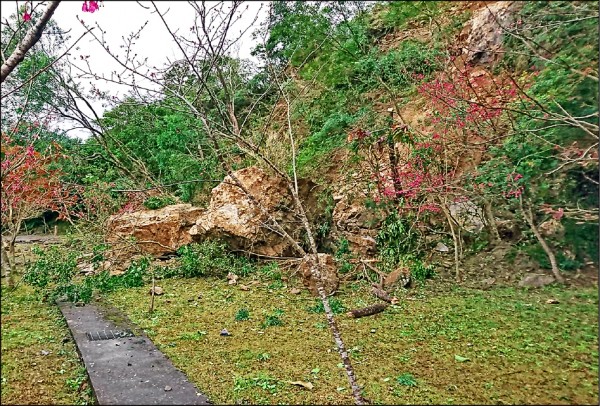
398, 67
210, 258
242, 314
406, 379
273, 319
336, 305
54, 274
158, 202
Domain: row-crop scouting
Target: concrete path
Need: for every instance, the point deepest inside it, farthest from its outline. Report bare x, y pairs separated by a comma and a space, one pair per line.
124, 366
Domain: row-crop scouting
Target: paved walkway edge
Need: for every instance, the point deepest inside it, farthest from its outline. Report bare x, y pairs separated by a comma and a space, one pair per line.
125, 370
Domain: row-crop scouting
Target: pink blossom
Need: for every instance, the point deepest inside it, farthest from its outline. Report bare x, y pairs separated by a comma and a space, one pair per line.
558, 214
89, 8
26, 16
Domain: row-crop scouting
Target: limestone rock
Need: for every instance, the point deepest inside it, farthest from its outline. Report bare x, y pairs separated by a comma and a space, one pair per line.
156, 232
329, 276
237, 219
354, 222
536, 281
487, 29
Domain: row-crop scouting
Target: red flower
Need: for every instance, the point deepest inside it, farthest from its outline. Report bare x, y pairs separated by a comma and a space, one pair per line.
26, 16
89, 8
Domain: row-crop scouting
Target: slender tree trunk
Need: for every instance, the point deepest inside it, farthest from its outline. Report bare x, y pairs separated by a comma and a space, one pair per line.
455, 239
491, 220
528, 214
31, 38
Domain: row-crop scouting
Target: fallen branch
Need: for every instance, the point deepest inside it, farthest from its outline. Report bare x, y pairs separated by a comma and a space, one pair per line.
367, 311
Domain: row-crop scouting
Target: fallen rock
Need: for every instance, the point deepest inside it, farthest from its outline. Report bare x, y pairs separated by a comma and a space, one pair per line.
355, 223
236, 218
329, 276
486, 31
441, 247
536, 281
154, 232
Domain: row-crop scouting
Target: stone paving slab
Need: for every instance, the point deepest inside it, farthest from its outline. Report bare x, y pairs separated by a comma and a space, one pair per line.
125, 370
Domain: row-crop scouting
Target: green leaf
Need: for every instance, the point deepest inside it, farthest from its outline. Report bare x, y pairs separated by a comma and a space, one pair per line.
315, 370
458, 358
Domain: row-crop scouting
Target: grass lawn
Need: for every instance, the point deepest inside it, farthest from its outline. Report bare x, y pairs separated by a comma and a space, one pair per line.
464, 346
31, 329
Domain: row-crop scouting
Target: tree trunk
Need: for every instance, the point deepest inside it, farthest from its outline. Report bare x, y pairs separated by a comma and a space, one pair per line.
491, 220
528, 214
367, 311
31, 38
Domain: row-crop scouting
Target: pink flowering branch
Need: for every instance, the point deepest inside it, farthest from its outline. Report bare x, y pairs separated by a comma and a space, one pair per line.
31, 38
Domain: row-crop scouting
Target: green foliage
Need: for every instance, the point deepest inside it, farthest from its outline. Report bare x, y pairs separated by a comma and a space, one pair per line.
158, 202
406, 379
209, 258
397, 68
395, 15
343, 255
396, 239
420, 272
337, 307
242, 314
53, 274
273, 319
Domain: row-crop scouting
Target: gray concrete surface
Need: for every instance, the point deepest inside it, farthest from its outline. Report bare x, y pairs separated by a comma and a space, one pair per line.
126, 370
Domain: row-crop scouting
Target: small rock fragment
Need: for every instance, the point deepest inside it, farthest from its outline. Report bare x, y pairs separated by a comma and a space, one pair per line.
225, 333
295, 291
44, 352
244, 288
552, 301
168, 388
441, 247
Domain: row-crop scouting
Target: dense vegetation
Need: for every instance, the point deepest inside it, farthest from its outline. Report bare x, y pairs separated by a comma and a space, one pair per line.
375, 101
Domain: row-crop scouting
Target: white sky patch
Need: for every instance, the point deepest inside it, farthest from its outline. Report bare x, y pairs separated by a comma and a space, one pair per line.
122, 18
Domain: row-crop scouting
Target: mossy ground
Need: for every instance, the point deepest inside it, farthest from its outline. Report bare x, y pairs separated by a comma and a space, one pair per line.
28, 376
520, 348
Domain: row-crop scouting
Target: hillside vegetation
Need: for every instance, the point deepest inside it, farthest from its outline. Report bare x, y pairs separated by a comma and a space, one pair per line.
443, 152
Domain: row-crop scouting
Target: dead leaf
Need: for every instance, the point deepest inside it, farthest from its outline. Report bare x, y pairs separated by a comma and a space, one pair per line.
295, 291
552, 301
157, 291
394, 300
306, 385
244, 287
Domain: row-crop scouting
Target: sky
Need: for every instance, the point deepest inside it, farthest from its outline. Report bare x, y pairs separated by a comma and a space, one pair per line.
121, 18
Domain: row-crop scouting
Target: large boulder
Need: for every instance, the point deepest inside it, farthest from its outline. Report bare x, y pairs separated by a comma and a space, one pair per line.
154, 232
329, 276
486, 31
239, 220
355, 223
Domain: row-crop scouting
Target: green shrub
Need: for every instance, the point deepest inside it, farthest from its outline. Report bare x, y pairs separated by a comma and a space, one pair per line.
273, 319
406, 379
397, 67
52, 272
158, 202
242, 314
336, 305
210, 258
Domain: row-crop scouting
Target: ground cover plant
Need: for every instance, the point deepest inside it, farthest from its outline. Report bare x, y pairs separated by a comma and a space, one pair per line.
463, 346
40, 365
418, 163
